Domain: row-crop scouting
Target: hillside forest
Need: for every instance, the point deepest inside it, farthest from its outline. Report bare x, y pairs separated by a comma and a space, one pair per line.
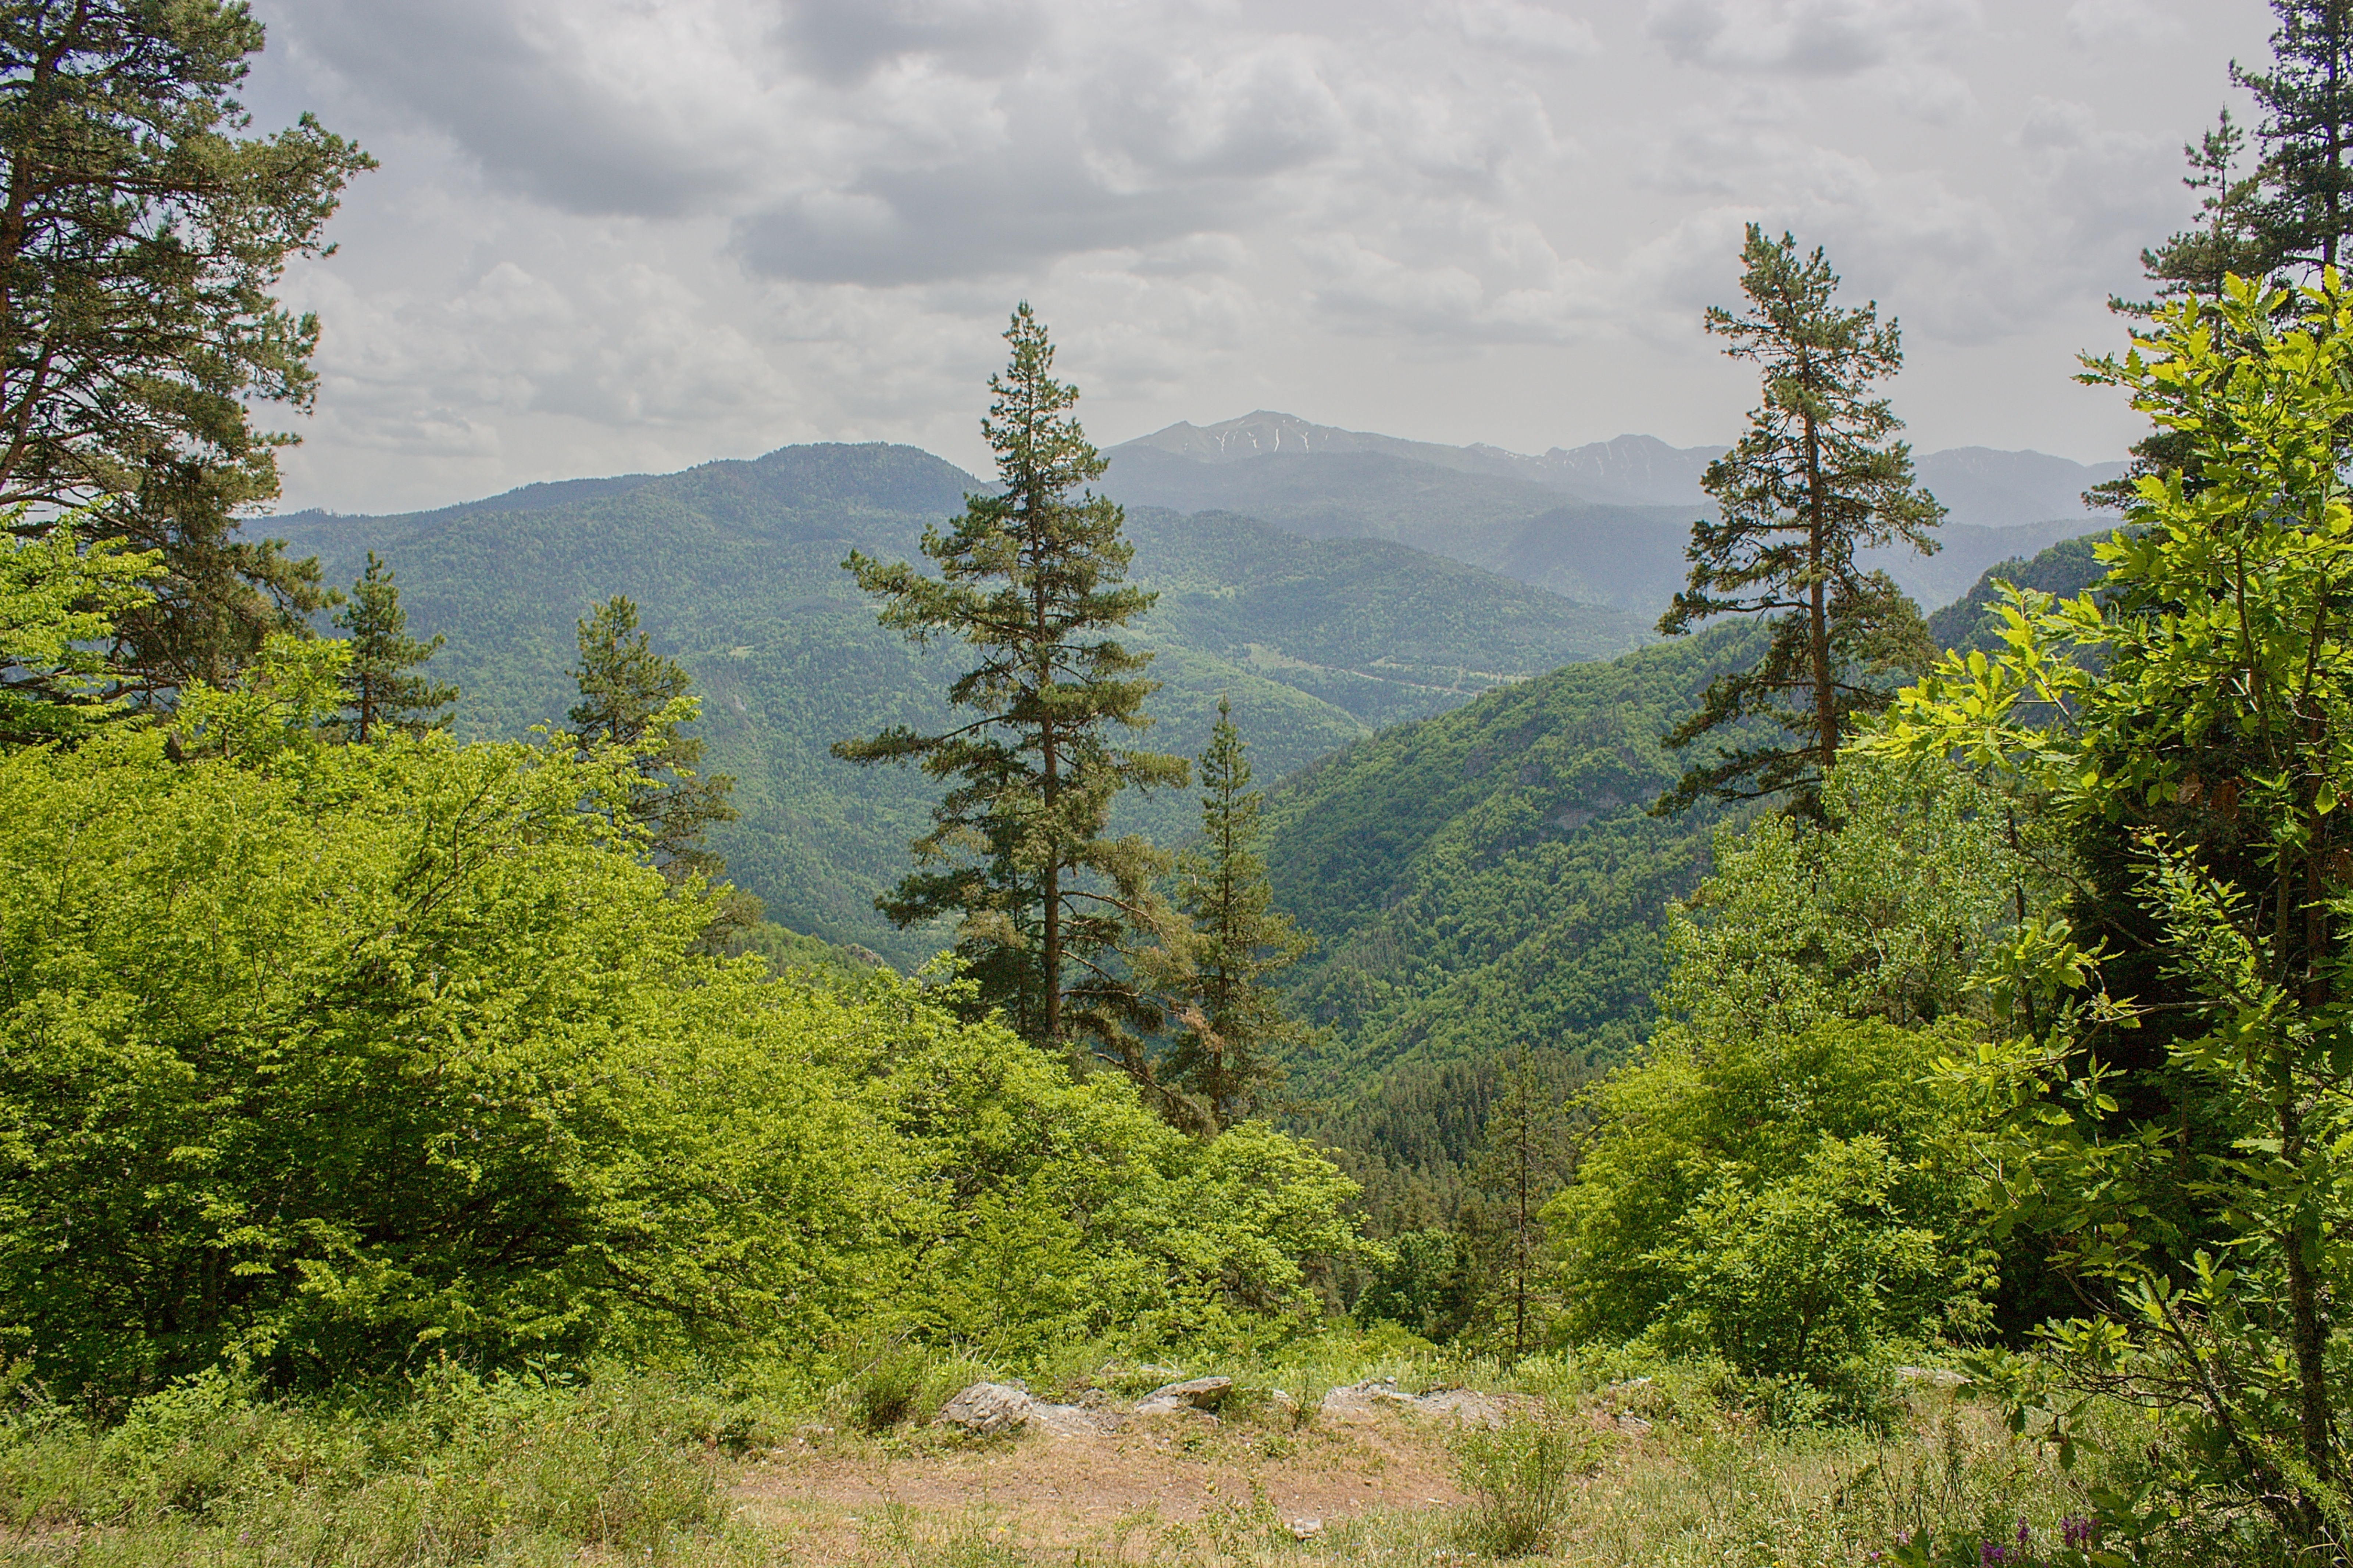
714, 960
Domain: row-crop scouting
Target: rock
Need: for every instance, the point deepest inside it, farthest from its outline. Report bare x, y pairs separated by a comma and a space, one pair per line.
1470, 1409
1194, 1394
988, 1408
1632, 1426
1072, 1420
1365, 1401
1361, 1399
1934, 1377
1306, 1529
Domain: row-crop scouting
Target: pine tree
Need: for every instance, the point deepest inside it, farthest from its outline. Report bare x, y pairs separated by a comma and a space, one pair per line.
2231, 239
1032, 579
1816, 477
142, 239
2228, 237
1231, 1029
380, 689
1522, 1161
637, 699
2308, 134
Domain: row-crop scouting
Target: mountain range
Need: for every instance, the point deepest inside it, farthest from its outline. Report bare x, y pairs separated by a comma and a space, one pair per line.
1463, 754
736, 568
1331, 583
1605, 523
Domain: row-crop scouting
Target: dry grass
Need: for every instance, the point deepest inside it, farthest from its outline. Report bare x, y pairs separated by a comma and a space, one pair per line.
640, 1473
1696, 1487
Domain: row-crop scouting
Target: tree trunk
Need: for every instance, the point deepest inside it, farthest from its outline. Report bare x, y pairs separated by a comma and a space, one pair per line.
2308, 1340
1826, 735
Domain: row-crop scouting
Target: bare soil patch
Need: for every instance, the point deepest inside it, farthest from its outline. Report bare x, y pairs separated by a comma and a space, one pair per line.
839, 1500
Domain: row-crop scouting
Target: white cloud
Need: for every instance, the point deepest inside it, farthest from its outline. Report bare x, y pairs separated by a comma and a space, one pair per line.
2122, 21
618, 234
1805, 37
1517, 25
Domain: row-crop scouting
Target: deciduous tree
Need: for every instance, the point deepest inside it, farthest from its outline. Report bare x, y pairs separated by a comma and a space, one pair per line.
2202, 769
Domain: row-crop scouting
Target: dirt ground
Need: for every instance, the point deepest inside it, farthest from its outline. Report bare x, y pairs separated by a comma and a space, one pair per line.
841, 1500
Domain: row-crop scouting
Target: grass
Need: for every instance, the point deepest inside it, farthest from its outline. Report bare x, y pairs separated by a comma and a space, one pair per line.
1660, 1470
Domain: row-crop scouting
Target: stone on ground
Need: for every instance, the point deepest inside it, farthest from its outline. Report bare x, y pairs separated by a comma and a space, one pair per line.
988, 1408
1204, 1393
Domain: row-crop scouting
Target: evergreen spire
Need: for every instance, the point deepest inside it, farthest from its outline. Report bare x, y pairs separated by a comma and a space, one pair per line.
381, 686
1232, 1025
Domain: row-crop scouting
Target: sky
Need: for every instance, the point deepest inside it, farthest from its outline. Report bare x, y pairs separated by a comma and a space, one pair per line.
618, 236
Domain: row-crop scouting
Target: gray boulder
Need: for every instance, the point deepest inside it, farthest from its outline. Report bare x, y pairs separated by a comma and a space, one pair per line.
1194, 1394
986, 1409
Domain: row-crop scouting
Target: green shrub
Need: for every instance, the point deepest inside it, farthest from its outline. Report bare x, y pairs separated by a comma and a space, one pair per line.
891, 1389
392, 1051
1519, 1477
457, 1470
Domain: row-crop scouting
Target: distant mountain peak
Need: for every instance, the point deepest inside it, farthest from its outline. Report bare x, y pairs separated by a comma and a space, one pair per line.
1980, 484
1263, 432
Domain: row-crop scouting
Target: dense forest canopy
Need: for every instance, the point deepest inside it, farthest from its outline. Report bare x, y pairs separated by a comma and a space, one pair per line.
1815, 1000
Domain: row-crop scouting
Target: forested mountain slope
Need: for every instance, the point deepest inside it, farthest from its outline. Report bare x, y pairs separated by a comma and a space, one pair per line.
1488, 878
1604, 524
736, 568
1485, 880
2063, 571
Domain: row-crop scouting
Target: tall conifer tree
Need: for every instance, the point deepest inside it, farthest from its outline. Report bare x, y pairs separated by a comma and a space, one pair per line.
381, 685
142, 239
639, 700
1522, 1162
1817, 477
1032, 579
2232, 236
1231, 1029
2308, 134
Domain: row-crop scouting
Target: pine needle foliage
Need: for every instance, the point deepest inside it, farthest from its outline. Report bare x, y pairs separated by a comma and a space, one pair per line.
1033, 580
639, 702
381, 685
142, 238
1817, 477
1232, 1028
2307, 136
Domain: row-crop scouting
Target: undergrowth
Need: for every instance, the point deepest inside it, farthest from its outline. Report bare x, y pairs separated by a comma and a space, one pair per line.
1604, 1461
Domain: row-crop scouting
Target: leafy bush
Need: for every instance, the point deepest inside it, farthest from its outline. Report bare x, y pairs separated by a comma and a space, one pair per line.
348, 1057
1519, 1477
455, 1470
1420, 1287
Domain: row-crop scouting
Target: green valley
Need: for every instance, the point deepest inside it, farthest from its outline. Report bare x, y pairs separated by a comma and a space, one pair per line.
736, 567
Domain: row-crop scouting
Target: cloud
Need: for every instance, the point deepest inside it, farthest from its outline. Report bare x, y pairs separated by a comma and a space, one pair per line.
639, 232
849, 39
1803, 37
2090, 22
1518, 25
598, 111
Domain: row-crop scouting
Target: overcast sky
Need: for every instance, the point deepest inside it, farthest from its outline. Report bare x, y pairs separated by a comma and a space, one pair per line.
618, 235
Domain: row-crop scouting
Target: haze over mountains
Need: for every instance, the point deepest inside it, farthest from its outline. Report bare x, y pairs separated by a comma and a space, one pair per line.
1332, 583
1605, 523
